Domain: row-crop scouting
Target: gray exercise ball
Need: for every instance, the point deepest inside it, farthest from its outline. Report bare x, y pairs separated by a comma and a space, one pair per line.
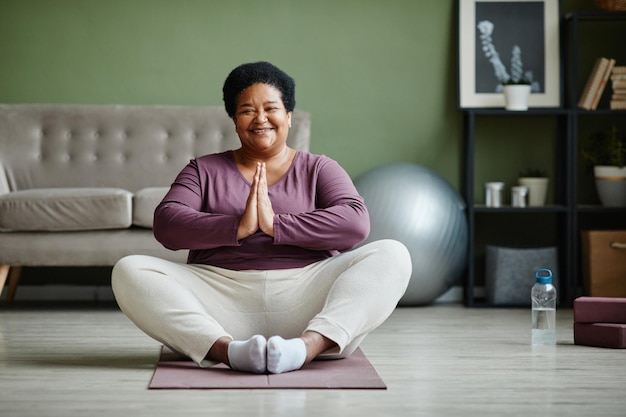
417, 207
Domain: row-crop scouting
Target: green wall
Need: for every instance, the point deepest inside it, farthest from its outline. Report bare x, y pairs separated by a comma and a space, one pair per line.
379, 77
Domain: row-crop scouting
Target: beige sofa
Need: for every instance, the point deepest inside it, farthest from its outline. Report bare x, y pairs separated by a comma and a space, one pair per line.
79, 183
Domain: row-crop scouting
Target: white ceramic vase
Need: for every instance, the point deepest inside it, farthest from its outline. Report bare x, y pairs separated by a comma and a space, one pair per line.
537, 190
611, 185
516, 97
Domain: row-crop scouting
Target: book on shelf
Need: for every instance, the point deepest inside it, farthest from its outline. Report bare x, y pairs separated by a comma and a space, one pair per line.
618, 83
592, 82
619, 70
603, 81
617, 105
599, 71
619, 92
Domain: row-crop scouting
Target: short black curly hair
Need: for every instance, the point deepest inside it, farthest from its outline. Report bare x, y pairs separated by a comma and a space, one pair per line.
251, 73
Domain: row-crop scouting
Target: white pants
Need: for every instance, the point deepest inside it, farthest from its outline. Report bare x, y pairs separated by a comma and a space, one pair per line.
189, 307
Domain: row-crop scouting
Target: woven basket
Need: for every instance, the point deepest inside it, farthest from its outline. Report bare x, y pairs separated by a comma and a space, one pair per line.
612, 5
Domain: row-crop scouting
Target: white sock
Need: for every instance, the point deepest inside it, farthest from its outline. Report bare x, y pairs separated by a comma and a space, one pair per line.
248, 355
285, 355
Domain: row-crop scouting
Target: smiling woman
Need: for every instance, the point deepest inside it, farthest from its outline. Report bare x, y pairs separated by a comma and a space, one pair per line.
272, 280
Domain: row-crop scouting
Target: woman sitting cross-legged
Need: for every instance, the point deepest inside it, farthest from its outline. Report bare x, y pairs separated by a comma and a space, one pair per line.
274, 277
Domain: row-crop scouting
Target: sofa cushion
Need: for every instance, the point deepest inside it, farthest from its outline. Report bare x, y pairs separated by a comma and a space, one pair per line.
145, 202
60, 209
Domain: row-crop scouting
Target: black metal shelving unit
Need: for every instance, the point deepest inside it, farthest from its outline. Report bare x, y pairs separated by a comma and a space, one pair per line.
567, 216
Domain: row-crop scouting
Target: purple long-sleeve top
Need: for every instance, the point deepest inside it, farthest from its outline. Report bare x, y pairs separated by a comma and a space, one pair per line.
318, 214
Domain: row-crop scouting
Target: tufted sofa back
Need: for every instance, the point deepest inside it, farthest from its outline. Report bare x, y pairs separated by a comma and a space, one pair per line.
130, 147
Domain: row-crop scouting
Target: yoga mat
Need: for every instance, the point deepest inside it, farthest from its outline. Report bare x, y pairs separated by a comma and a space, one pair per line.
353, 372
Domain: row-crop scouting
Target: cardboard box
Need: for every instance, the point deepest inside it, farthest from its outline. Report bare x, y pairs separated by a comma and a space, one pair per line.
608, 335
600, 310
604, 262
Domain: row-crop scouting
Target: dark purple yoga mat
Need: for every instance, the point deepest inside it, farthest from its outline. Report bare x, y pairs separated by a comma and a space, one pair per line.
353, 372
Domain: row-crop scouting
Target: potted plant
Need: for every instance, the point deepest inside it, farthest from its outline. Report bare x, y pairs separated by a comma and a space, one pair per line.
517, 87
606, 153
536, 180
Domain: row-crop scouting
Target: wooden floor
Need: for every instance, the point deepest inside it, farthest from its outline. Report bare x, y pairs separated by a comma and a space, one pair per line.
437, 361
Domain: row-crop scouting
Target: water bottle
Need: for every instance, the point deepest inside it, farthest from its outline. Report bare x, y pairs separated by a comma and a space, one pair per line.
543, 298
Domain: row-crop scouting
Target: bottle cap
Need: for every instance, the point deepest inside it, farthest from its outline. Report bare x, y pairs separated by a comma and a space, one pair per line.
543, 276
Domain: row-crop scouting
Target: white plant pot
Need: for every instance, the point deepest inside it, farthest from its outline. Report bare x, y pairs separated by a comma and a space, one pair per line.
516, 97
611, 185
537, 190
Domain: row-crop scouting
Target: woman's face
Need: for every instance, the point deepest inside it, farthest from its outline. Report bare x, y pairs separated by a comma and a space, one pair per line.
261, 120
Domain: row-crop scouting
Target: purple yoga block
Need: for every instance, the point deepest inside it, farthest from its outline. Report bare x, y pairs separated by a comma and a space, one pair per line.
600, 310
607, 335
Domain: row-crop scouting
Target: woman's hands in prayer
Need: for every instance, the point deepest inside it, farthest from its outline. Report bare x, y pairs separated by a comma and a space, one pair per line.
259, 213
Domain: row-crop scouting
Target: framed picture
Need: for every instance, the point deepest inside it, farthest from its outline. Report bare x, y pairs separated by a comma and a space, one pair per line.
499, 40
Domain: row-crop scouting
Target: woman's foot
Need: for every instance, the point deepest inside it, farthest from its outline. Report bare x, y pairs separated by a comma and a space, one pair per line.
292, 354
249, 355
285, 355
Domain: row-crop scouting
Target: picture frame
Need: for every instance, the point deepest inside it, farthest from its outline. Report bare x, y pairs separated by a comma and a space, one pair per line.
489, 31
